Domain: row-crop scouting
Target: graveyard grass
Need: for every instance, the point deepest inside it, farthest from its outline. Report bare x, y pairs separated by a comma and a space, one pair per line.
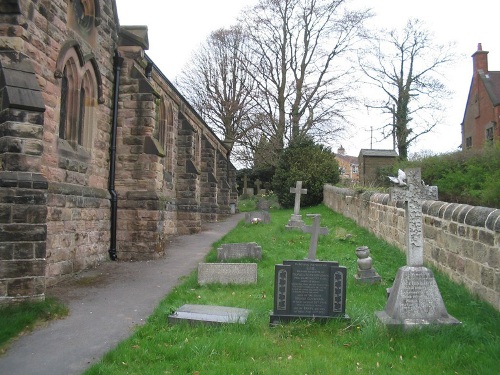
24, 317
358, 346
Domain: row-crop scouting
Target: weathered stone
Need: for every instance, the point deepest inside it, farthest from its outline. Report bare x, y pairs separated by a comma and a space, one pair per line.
255, 217
415, 300
208, 314
227, 273
239, 250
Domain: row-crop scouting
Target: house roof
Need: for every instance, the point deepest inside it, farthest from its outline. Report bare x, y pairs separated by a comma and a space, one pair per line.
491, 81
378, 153
348, 159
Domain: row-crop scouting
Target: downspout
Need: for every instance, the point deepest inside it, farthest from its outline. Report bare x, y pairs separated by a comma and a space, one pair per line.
118, 60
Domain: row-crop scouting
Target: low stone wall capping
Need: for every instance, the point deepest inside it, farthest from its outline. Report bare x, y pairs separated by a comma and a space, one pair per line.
460, 240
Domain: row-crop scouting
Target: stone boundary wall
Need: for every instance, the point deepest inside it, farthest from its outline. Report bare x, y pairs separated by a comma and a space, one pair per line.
460, 240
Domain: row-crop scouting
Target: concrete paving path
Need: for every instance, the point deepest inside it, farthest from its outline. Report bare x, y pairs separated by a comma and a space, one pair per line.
105, 305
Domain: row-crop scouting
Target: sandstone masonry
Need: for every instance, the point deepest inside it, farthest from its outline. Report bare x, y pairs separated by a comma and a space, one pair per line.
462, 241
72, 152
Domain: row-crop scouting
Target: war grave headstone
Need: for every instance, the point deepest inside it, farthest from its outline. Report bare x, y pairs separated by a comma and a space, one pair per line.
414, 299
309, 289
366, 273
239, 250
296, 221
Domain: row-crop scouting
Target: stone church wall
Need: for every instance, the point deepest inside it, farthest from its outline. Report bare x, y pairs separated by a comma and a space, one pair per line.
460, 240
55, 196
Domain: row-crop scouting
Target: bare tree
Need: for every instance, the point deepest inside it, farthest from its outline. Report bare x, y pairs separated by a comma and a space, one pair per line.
300, 64
408, 68
218, 86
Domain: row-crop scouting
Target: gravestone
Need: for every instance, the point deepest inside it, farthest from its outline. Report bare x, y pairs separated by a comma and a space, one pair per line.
208, 314
263, 205
366, 273
257, 184
305, 289
245, 184
315, 231
414, 299
254, 217
296, 221
227, 273
239, 250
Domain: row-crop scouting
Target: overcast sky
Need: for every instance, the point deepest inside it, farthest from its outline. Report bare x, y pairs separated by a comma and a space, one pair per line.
177, 28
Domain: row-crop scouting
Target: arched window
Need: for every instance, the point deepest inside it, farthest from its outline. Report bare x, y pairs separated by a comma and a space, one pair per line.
162, 125
78, 100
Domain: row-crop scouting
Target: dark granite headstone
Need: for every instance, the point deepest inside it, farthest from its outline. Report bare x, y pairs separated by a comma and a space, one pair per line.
309, 290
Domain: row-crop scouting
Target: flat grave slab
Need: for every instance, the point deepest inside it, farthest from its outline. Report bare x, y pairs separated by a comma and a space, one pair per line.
239, 250
227, 273
208, 314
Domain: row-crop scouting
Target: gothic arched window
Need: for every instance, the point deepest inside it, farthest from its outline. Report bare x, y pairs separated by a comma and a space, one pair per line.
78, 99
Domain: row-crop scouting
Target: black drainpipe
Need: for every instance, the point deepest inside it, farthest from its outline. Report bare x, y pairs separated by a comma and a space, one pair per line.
118, 60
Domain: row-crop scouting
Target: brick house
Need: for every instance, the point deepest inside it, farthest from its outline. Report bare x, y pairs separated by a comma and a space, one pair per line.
348, 165
370, 162
482, 111
100, 156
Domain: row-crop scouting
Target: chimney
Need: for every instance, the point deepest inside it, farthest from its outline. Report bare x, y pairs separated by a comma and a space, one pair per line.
480, 59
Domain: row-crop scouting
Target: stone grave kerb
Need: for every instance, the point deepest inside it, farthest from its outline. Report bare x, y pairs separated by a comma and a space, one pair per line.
315, 231
413, 195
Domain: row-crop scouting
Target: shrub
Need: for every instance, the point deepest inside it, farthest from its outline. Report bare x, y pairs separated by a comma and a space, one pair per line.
471, 177
305, 161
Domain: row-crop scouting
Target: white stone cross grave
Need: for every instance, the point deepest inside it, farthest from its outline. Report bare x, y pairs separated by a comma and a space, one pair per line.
413, 194
414, 299
315, 231
297, 190
295, 221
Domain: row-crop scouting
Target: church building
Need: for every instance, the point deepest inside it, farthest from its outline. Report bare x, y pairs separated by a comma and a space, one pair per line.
100, 156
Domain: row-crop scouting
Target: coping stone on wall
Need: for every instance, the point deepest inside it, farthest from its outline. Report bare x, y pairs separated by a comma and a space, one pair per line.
493, 221
477, 216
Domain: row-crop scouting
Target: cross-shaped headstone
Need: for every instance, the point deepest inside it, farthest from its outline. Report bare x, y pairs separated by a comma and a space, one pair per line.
257, 185
413, 194
297, 190
315, 231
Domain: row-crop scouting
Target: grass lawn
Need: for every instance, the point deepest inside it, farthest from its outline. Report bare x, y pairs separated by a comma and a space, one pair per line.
359, 346
24, 317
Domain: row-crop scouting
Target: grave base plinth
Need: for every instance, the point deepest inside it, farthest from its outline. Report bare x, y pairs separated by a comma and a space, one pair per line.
414, 300
295, 222
276, 319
